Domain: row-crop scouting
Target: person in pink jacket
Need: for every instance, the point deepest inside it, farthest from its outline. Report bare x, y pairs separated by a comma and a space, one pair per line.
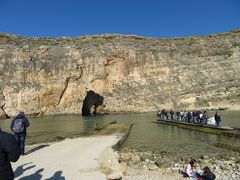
191, 170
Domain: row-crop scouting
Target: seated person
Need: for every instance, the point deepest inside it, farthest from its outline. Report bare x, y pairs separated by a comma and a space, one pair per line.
191, 170
207, 174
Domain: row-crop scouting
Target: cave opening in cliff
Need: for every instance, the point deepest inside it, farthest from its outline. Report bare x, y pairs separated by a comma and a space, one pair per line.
91, 102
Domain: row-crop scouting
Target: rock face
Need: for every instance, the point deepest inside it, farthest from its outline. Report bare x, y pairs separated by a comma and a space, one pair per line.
132, 73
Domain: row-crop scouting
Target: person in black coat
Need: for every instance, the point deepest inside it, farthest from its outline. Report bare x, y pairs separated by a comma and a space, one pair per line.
207, 174
217, 118
9, 152
20, 134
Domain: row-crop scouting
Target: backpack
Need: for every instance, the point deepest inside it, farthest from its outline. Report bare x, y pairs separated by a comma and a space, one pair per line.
18, 126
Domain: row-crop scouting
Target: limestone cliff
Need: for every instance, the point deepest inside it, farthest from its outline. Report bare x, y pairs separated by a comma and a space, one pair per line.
134, 74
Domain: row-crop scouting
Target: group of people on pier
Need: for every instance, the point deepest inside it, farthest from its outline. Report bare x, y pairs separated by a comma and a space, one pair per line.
195, 117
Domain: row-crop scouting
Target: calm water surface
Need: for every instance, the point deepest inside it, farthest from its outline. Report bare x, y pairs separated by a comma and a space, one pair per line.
144, 136
50, 128
147, 136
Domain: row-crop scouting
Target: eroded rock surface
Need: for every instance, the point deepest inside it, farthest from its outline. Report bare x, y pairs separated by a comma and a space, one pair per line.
132, 73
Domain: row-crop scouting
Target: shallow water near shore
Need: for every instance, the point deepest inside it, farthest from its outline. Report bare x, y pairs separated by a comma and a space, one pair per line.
54, 128
144, 136
176, 142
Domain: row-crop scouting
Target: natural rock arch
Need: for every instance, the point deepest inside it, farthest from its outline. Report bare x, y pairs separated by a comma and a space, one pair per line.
91, 99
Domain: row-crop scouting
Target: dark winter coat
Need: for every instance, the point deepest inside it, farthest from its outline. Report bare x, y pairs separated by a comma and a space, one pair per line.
25, 122
208, 176
9, 152
217, 117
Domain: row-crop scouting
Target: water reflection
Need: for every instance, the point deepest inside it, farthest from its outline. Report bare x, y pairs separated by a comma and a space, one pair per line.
89, 125
144, 135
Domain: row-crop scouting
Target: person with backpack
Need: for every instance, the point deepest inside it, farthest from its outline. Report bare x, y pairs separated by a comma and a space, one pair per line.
9, 152
19, 128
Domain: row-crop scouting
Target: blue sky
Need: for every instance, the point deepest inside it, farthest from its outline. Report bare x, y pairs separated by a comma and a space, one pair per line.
151, 18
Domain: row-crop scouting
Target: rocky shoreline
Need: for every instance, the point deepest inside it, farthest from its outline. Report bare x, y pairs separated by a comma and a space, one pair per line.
225, 166
133, 164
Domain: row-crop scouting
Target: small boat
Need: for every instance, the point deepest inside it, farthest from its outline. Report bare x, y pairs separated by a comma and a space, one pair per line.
210, 127
233, 132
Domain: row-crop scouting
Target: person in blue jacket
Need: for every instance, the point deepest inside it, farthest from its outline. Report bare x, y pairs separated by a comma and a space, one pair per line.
19, 128
9, 152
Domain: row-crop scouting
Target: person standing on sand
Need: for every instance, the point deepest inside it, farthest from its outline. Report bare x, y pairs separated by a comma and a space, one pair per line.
9, 152
19, 128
